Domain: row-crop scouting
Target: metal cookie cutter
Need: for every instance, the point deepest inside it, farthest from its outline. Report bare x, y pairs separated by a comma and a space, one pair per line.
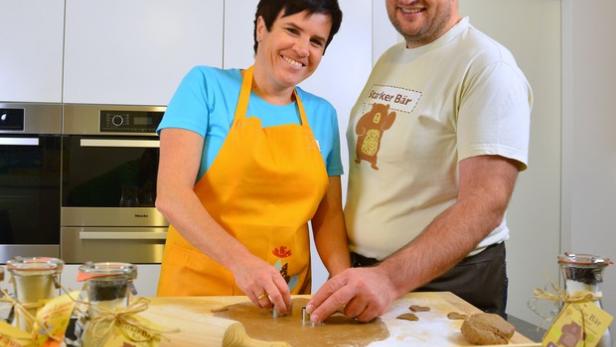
275, 313
306, 319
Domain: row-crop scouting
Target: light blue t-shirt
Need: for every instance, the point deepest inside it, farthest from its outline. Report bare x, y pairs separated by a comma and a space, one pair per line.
205, 103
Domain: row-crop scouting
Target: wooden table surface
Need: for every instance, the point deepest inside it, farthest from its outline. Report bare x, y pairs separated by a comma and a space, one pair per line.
193, 317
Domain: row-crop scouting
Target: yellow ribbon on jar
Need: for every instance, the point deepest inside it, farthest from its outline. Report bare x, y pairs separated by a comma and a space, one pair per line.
104, 320
563, 297
23, 308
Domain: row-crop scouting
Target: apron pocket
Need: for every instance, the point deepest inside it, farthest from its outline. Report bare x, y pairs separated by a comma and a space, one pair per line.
286, 248
188, 272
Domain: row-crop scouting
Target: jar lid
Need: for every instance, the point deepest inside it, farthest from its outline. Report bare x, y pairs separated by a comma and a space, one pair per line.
583, 260
91, 270
35, 264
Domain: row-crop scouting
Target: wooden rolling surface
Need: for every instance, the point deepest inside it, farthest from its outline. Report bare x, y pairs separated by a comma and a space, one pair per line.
199, 326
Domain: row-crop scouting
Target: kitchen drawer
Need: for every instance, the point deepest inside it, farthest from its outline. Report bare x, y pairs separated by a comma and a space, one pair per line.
131, 244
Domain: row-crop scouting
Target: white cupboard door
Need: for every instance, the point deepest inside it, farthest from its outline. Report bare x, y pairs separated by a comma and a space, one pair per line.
147, 279
135, 52
31, 59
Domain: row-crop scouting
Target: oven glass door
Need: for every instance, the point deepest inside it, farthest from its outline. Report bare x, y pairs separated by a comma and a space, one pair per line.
29, 189
109, 171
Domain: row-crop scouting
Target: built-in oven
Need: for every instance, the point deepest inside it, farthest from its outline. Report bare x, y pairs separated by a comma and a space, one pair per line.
109, 168
30, 143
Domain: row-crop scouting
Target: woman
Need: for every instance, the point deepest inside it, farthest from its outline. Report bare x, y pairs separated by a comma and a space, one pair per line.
247, 159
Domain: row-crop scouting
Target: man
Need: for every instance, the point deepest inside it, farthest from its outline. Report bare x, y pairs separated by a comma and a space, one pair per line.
436, 140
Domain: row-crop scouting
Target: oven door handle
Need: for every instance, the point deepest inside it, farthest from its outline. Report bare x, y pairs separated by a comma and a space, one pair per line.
122, 235
120, 143
19, 141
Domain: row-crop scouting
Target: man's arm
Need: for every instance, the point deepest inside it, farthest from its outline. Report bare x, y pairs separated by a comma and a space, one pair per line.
329, 230
486, 185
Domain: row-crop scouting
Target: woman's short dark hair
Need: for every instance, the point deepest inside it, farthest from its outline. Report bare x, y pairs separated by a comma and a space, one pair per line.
269, 10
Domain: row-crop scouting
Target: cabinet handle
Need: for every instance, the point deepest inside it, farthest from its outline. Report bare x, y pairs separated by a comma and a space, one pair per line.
19, 141
120, 143
122, 235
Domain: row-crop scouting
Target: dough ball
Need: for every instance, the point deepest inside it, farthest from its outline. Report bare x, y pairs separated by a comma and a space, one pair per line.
487, 329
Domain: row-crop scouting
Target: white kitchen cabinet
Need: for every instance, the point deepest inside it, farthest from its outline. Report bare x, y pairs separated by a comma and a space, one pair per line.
147, 279
31, 60
135, 52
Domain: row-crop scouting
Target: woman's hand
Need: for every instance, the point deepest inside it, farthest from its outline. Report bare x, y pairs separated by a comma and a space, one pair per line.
262, 283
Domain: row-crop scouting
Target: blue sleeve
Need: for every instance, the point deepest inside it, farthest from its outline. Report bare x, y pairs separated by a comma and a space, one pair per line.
333, 161
190, 106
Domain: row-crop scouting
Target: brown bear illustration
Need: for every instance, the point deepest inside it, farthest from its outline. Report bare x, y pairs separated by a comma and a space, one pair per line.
369, 130
572, 334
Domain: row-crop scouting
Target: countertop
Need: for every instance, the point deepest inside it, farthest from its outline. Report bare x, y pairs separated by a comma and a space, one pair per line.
434, 328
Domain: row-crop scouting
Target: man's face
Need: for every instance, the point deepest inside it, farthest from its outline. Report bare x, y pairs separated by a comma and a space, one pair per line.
422, 21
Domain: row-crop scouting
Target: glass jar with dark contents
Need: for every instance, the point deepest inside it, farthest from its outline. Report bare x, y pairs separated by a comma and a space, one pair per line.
33, 279
108, 285
584, 273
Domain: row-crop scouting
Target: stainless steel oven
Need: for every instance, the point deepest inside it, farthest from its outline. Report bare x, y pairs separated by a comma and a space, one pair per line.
109, 167
30, 143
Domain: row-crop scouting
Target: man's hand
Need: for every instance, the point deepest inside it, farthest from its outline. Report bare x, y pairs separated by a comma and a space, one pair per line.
262, 283
360, 293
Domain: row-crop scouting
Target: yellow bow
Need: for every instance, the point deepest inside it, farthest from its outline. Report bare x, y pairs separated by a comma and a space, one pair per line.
23, 310
104, 320
562, 296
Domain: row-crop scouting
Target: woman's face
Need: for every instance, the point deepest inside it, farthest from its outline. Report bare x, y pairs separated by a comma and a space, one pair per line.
292, 49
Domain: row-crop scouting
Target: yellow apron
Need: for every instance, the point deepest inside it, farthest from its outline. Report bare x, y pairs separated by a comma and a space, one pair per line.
262, 188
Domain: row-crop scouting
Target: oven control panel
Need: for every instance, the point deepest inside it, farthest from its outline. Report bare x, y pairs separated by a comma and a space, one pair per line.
129, 121
12, 119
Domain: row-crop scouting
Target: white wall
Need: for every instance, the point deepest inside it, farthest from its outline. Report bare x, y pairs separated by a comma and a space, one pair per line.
589, 143
531, 30
384, 35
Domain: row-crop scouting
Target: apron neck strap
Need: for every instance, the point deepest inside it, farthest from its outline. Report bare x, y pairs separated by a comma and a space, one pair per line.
242, 103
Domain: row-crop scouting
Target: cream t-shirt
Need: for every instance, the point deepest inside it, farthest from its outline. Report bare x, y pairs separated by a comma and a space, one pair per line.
422, 111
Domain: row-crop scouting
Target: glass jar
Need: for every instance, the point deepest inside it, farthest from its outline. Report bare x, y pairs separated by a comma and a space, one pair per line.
33, 279
108, 285
584, 272
5, 308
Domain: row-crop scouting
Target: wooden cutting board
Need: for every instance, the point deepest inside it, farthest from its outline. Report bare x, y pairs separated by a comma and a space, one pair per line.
235, 322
